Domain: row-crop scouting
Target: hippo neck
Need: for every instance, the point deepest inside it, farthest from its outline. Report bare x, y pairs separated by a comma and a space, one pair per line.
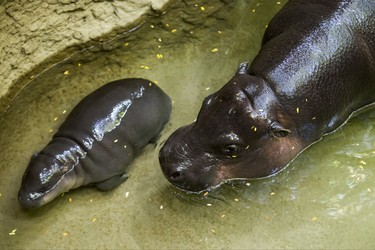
299, 61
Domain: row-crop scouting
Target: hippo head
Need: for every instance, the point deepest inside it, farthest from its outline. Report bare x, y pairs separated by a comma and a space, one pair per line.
45, 178
241, 132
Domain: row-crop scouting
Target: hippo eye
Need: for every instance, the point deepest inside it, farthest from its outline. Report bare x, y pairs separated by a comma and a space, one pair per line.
232, 149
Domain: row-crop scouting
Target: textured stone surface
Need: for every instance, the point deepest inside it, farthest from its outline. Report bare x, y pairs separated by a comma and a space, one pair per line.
31, 32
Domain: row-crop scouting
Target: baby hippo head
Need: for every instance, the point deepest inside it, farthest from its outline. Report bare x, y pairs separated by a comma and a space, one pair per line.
241, 132
44, 179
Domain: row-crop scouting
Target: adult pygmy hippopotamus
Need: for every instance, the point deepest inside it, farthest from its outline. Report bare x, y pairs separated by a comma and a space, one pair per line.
98, 139
316, 66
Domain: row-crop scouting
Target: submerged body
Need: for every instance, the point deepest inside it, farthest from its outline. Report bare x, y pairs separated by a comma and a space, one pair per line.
315, 68
98, 139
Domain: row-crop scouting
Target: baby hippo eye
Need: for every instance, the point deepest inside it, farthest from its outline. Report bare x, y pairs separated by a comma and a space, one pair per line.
232, 149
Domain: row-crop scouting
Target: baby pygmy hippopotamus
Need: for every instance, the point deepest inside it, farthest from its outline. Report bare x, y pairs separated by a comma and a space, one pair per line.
98, 139
315, 67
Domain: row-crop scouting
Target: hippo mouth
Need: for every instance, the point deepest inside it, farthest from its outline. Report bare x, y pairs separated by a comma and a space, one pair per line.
36, 199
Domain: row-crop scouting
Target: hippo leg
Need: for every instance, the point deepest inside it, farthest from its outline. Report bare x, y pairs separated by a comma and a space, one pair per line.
111, 182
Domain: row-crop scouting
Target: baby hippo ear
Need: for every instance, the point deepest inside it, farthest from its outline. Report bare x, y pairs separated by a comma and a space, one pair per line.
278, 131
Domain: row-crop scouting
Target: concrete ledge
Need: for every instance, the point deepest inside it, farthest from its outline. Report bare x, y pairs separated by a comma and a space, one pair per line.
33, 32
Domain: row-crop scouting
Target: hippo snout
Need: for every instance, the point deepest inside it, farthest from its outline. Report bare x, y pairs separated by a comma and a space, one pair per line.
180, 163
27, 201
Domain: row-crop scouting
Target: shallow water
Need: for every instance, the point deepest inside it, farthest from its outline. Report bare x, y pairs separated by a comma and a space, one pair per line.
324, 199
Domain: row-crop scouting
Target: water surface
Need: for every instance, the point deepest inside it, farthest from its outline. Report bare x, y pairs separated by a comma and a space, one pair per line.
324, 199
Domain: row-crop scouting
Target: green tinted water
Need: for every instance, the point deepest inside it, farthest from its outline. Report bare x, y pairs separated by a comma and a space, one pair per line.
324, 199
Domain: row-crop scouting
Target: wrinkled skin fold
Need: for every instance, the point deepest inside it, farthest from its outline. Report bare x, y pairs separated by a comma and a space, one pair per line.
316, 66
98, 139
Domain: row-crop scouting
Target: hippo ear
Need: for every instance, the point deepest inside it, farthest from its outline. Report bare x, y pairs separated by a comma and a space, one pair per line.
278, 131
242, 68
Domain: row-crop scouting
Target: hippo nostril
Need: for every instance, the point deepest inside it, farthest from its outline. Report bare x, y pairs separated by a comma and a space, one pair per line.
175, 176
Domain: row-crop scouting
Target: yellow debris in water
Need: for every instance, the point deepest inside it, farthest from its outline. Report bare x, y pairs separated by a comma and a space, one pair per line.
273, 193
209, 205
55, 118
70, 199
152, 26
161, 207
314, 218
93, 220
13, 232
126, 44
213, 231
214, 50
278, 2
65, 234
79, 65
66, 72
205, 194
202, 8
159, 56
253, 10
145, 67
64, 111
219, 32
363, 162
222, 216
150, 84
167, 25
174, 30
236, 200
297, 110
31, 77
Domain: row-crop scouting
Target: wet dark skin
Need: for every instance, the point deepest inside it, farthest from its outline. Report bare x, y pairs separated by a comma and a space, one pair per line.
316, 66
98, 139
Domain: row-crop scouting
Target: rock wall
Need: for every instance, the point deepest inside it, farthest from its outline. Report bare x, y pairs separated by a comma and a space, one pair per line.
33, 32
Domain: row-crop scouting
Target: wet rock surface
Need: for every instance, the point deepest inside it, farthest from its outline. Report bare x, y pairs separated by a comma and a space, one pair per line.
32, 32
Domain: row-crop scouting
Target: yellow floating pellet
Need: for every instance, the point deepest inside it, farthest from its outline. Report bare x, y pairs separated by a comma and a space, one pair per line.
174, 30
202, 8
215, 50
66, 73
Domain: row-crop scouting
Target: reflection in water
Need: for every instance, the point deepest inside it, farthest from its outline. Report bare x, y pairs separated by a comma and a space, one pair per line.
324, 199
